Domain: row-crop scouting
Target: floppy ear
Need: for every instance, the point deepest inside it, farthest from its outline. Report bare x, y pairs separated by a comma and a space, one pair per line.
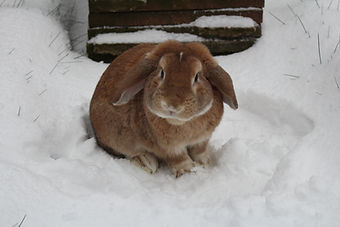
222, 81
133, 81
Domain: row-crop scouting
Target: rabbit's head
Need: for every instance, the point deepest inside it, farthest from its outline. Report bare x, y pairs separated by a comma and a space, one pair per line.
178, 81
178, 89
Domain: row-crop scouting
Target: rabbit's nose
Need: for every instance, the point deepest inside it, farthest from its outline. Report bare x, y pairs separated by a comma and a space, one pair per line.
172, 108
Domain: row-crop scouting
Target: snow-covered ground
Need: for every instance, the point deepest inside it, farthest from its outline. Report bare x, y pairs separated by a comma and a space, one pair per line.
276, 160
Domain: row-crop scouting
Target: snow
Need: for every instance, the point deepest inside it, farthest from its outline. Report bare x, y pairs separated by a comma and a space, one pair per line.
275, 160
224, 21
145, 36
151, 35
234, 9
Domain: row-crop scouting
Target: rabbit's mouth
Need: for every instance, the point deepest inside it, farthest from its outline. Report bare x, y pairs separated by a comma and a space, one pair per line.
175, 121
178, 117
171, 115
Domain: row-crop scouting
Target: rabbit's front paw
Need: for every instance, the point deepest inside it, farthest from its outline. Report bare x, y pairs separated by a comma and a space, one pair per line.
202, 158
185, 166
146, 161
200, 154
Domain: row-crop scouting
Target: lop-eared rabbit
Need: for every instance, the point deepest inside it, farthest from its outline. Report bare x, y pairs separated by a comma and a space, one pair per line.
161, 102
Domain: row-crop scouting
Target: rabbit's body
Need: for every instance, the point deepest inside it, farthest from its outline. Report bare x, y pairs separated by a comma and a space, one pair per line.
149, 105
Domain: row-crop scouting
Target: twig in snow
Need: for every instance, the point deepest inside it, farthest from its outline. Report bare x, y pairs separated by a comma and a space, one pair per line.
53, 10
277, 18
62, 51
42, 92
28, 78
316, 1
318, 93
11, 51
329, 29
336, 81
336, 47
68, 46
35, 119
20, 3
330, 3
63, 57
22, 221
29, 73
65, 72
19, 111
304, 28
290, 75
291, 9
53, 68
54, 39
319, 49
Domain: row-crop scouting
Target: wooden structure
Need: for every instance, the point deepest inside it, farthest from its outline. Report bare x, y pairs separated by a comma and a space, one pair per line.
121, 16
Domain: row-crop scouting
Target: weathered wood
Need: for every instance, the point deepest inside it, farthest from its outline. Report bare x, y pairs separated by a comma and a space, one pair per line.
209, 33
165, 5
120, 16
107, 52
165, 17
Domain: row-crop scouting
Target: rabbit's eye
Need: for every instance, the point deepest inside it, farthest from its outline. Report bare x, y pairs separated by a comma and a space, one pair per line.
162, 74
196, 78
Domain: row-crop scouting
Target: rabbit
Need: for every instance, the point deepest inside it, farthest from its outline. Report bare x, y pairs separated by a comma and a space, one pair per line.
161, 102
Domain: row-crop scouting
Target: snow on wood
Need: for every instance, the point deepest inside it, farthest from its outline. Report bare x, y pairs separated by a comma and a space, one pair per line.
224, 21
156, 36
145, 36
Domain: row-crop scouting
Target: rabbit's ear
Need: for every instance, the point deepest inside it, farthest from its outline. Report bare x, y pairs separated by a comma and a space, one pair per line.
133, 81
222, 81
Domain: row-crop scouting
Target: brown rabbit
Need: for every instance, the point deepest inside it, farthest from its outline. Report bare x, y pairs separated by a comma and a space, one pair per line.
161, 102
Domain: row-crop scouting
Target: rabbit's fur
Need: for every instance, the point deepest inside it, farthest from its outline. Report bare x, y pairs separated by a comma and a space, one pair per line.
161, 102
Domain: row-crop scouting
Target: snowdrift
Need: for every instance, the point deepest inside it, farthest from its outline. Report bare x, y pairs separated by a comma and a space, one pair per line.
275, 160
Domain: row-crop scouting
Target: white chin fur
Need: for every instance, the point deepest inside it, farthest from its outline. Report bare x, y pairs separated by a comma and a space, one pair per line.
178, 120
175, 121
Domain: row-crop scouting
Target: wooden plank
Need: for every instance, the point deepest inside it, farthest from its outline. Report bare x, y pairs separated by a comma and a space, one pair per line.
165, 17
209, 33
107, 52
165, 5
